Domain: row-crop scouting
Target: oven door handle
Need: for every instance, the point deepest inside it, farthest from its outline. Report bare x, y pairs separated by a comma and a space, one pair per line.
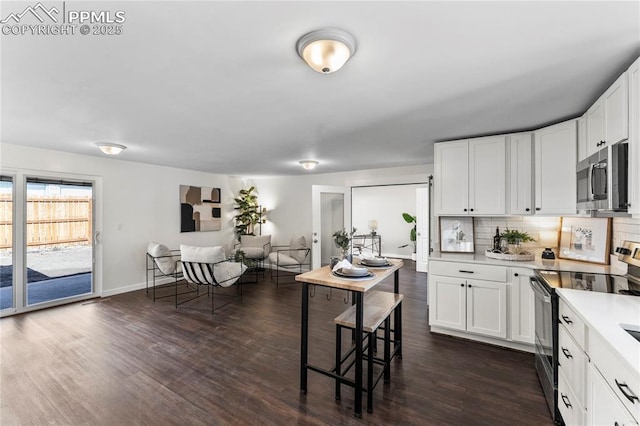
537, 288
590, 179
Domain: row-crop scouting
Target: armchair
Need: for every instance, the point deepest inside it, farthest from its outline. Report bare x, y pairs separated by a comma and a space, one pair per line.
162, 263
287, 261
254, 247
207, 266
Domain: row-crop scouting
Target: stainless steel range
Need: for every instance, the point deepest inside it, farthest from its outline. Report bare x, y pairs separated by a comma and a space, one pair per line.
544, 284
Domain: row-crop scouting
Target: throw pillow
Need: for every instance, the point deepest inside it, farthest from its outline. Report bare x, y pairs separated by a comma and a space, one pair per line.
298, 243
202, 254
162, 257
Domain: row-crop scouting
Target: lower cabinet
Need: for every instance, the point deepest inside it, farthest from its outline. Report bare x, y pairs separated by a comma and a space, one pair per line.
491, 303
470, 298
604, 408
522, 305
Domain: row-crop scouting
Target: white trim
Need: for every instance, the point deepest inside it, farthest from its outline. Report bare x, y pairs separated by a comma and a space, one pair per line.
492, 341
136, 287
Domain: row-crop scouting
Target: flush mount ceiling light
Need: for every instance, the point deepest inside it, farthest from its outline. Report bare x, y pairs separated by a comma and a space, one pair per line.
111, 148
327, 50
308, 164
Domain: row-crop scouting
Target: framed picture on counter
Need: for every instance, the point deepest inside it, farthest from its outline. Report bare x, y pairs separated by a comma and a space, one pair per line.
586, 239
456, 235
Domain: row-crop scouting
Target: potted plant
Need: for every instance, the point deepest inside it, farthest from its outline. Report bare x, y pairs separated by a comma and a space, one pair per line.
342, 239
514, 238
412, 234
248, 215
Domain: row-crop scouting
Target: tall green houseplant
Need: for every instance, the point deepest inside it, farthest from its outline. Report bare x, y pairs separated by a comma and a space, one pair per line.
247, 208
412, 234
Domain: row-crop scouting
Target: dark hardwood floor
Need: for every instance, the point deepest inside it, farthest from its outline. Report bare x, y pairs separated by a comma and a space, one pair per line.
129, 361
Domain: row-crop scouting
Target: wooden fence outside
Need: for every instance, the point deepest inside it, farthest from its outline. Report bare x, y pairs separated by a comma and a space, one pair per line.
51, 221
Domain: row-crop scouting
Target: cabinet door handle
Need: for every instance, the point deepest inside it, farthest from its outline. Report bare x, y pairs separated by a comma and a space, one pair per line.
465, 272
461, 285
515, 275
465, 210
567, 319
566, 353
469, 285
566, 401
471, 209
527, 209
538, 209
628, 394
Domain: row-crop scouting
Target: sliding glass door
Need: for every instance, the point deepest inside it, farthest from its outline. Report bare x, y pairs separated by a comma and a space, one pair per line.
59, 242
47, 252
6, 242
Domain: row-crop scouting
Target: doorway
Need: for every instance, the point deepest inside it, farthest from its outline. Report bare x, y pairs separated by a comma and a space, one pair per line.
331, 211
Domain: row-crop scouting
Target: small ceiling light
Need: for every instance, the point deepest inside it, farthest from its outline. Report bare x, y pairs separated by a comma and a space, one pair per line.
111, 148
327, 50
308, 164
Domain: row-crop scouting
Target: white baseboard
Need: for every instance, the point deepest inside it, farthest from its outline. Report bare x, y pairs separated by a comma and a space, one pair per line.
134, 287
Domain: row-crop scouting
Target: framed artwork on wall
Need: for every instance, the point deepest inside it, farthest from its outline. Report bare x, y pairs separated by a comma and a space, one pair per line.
200, 209
586, 239
456, 235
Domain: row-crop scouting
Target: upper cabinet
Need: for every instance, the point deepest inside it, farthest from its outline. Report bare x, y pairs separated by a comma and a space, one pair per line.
520, 182
634, 138
470, 177
582, 138
555, 169
607, 120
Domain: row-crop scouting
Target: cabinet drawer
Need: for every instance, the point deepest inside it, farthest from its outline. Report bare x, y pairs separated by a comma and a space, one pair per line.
574, 325
621, 378
474, 271
572, 363
568, 404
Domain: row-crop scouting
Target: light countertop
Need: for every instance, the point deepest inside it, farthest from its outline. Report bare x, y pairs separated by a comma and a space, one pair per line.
603, 313
538, 263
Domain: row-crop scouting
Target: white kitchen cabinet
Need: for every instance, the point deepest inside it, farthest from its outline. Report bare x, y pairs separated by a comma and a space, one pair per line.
634, 138
608, 118
603, 407
470, 177
451, 178
522, 306
582, 138
616, 111
487, 308
476, 305
520, 182
595, 127
555, 169
447, 302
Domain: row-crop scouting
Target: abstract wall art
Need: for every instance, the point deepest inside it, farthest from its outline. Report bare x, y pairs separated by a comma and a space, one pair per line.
200, 209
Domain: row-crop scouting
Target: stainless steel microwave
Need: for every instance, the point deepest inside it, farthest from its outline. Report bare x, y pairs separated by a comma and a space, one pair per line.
602, 179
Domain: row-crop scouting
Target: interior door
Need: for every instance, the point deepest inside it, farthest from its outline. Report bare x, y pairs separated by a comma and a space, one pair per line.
423, 242
330, 211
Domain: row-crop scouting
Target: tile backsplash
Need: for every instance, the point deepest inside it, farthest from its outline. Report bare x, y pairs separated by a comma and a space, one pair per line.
485, 228
623, 228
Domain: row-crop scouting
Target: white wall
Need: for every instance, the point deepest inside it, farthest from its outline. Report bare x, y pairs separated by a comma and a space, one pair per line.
288, 198
142, 198
386, 205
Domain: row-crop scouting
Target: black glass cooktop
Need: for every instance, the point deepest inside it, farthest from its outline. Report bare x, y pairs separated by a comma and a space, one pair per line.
601, 283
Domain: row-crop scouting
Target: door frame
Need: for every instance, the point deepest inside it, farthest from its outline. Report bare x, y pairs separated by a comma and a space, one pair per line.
316, 217
19, 238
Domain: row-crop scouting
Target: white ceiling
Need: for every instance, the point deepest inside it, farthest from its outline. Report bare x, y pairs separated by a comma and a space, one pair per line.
218, 86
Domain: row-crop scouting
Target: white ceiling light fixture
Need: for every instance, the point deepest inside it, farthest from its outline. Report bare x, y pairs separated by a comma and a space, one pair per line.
308, 164
111, 148
327, 50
